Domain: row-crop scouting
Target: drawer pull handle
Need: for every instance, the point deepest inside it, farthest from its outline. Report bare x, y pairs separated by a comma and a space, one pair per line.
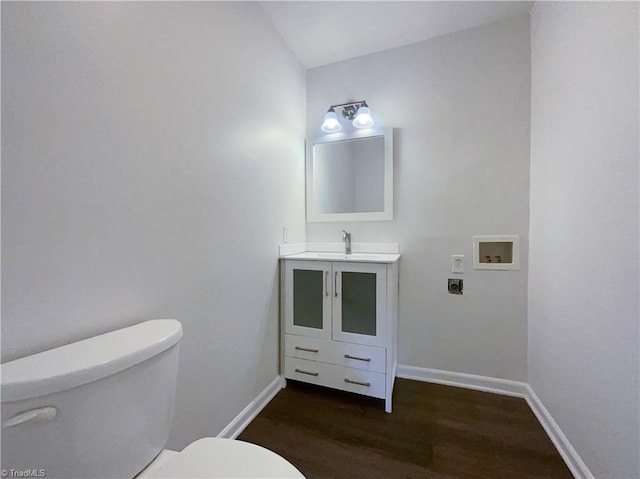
347, 380
307, 372
348, 356
299, 348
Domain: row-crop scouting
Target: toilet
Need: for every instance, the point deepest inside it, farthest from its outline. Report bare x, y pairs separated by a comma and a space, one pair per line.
102, 407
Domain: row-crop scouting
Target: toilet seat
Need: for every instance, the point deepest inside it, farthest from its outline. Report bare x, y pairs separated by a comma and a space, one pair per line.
213, 457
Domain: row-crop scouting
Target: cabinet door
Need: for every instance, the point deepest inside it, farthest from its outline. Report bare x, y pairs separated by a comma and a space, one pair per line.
307, 304
359, 303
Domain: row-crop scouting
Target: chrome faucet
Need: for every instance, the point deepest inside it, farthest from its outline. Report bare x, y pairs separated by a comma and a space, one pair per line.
346, 237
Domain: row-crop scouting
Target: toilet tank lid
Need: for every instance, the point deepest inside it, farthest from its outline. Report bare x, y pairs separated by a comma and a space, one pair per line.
88, 360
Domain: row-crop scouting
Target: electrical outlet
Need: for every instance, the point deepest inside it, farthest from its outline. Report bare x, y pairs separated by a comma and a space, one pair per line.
455, 286
285, 234
457, 263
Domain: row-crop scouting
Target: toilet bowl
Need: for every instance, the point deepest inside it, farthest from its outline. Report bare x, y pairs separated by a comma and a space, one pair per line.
221, 458
102, 407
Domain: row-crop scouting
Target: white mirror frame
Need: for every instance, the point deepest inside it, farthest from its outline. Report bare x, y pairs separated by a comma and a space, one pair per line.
387, 213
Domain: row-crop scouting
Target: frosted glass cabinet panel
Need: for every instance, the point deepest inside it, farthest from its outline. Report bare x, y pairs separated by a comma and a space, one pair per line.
307, 309
308, 298
359, 305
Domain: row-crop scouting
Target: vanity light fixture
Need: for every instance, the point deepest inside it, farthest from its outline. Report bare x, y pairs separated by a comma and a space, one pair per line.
357, 112
331, 123
363, 117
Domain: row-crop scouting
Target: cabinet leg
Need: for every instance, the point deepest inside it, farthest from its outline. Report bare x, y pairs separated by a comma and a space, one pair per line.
387, 404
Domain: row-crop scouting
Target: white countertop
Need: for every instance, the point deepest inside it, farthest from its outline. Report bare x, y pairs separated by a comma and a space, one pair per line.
335, 256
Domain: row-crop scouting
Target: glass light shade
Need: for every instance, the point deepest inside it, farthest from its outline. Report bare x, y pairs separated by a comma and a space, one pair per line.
363, 118
331, 123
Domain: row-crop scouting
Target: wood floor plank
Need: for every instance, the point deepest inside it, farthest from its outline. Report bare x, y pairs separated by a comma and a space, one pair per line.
434, 432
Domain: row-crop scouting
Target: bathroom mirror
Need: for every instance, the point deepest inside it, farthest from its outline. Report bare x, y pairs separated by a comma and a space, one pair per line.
350, 178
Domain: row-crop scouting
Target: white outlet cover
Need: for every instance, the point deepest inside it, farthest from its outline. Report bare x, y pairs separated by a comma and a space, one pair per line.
457, 263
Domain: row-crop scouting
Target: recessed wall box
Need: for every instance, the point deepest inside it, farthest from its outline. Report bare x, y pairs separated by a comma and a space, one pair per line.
454, 286
496, 252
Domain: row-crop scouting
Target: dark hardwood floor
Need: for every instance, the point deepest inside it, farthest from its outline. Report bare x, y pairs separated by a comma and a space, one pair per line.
434, 432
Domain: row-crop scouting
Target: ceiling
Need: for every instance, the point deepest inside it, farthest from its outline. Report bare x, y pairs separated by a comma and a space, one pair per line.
322, 32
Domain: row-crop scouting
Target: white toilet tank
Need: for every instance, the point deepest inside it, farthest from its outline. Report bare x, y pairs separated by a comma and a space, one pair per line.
97, 408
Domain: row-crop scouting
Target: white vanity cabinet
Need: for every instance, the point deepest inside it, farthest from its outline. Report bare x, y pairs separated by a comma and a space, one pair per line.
339, 323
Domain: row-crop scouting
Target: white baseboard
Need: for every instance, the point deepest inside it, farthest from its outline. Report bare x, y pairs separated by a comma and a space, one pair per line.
508, 388
575, 464
505, 387
248, 414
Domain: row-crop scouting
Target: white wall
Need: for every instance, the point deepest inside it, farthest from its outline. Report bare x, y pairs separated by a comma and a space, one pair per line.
460, 108
152, 153
583, 276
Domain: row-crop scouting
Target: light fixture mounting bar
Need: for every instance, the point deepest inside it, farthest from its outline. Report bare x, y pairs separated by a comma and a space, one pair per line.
349, 109
351, 103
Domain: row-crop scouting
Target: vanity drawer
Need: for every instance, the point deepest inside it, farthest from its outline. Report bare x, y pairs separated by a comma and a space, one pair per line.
337, 377
368, 358
304, 347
